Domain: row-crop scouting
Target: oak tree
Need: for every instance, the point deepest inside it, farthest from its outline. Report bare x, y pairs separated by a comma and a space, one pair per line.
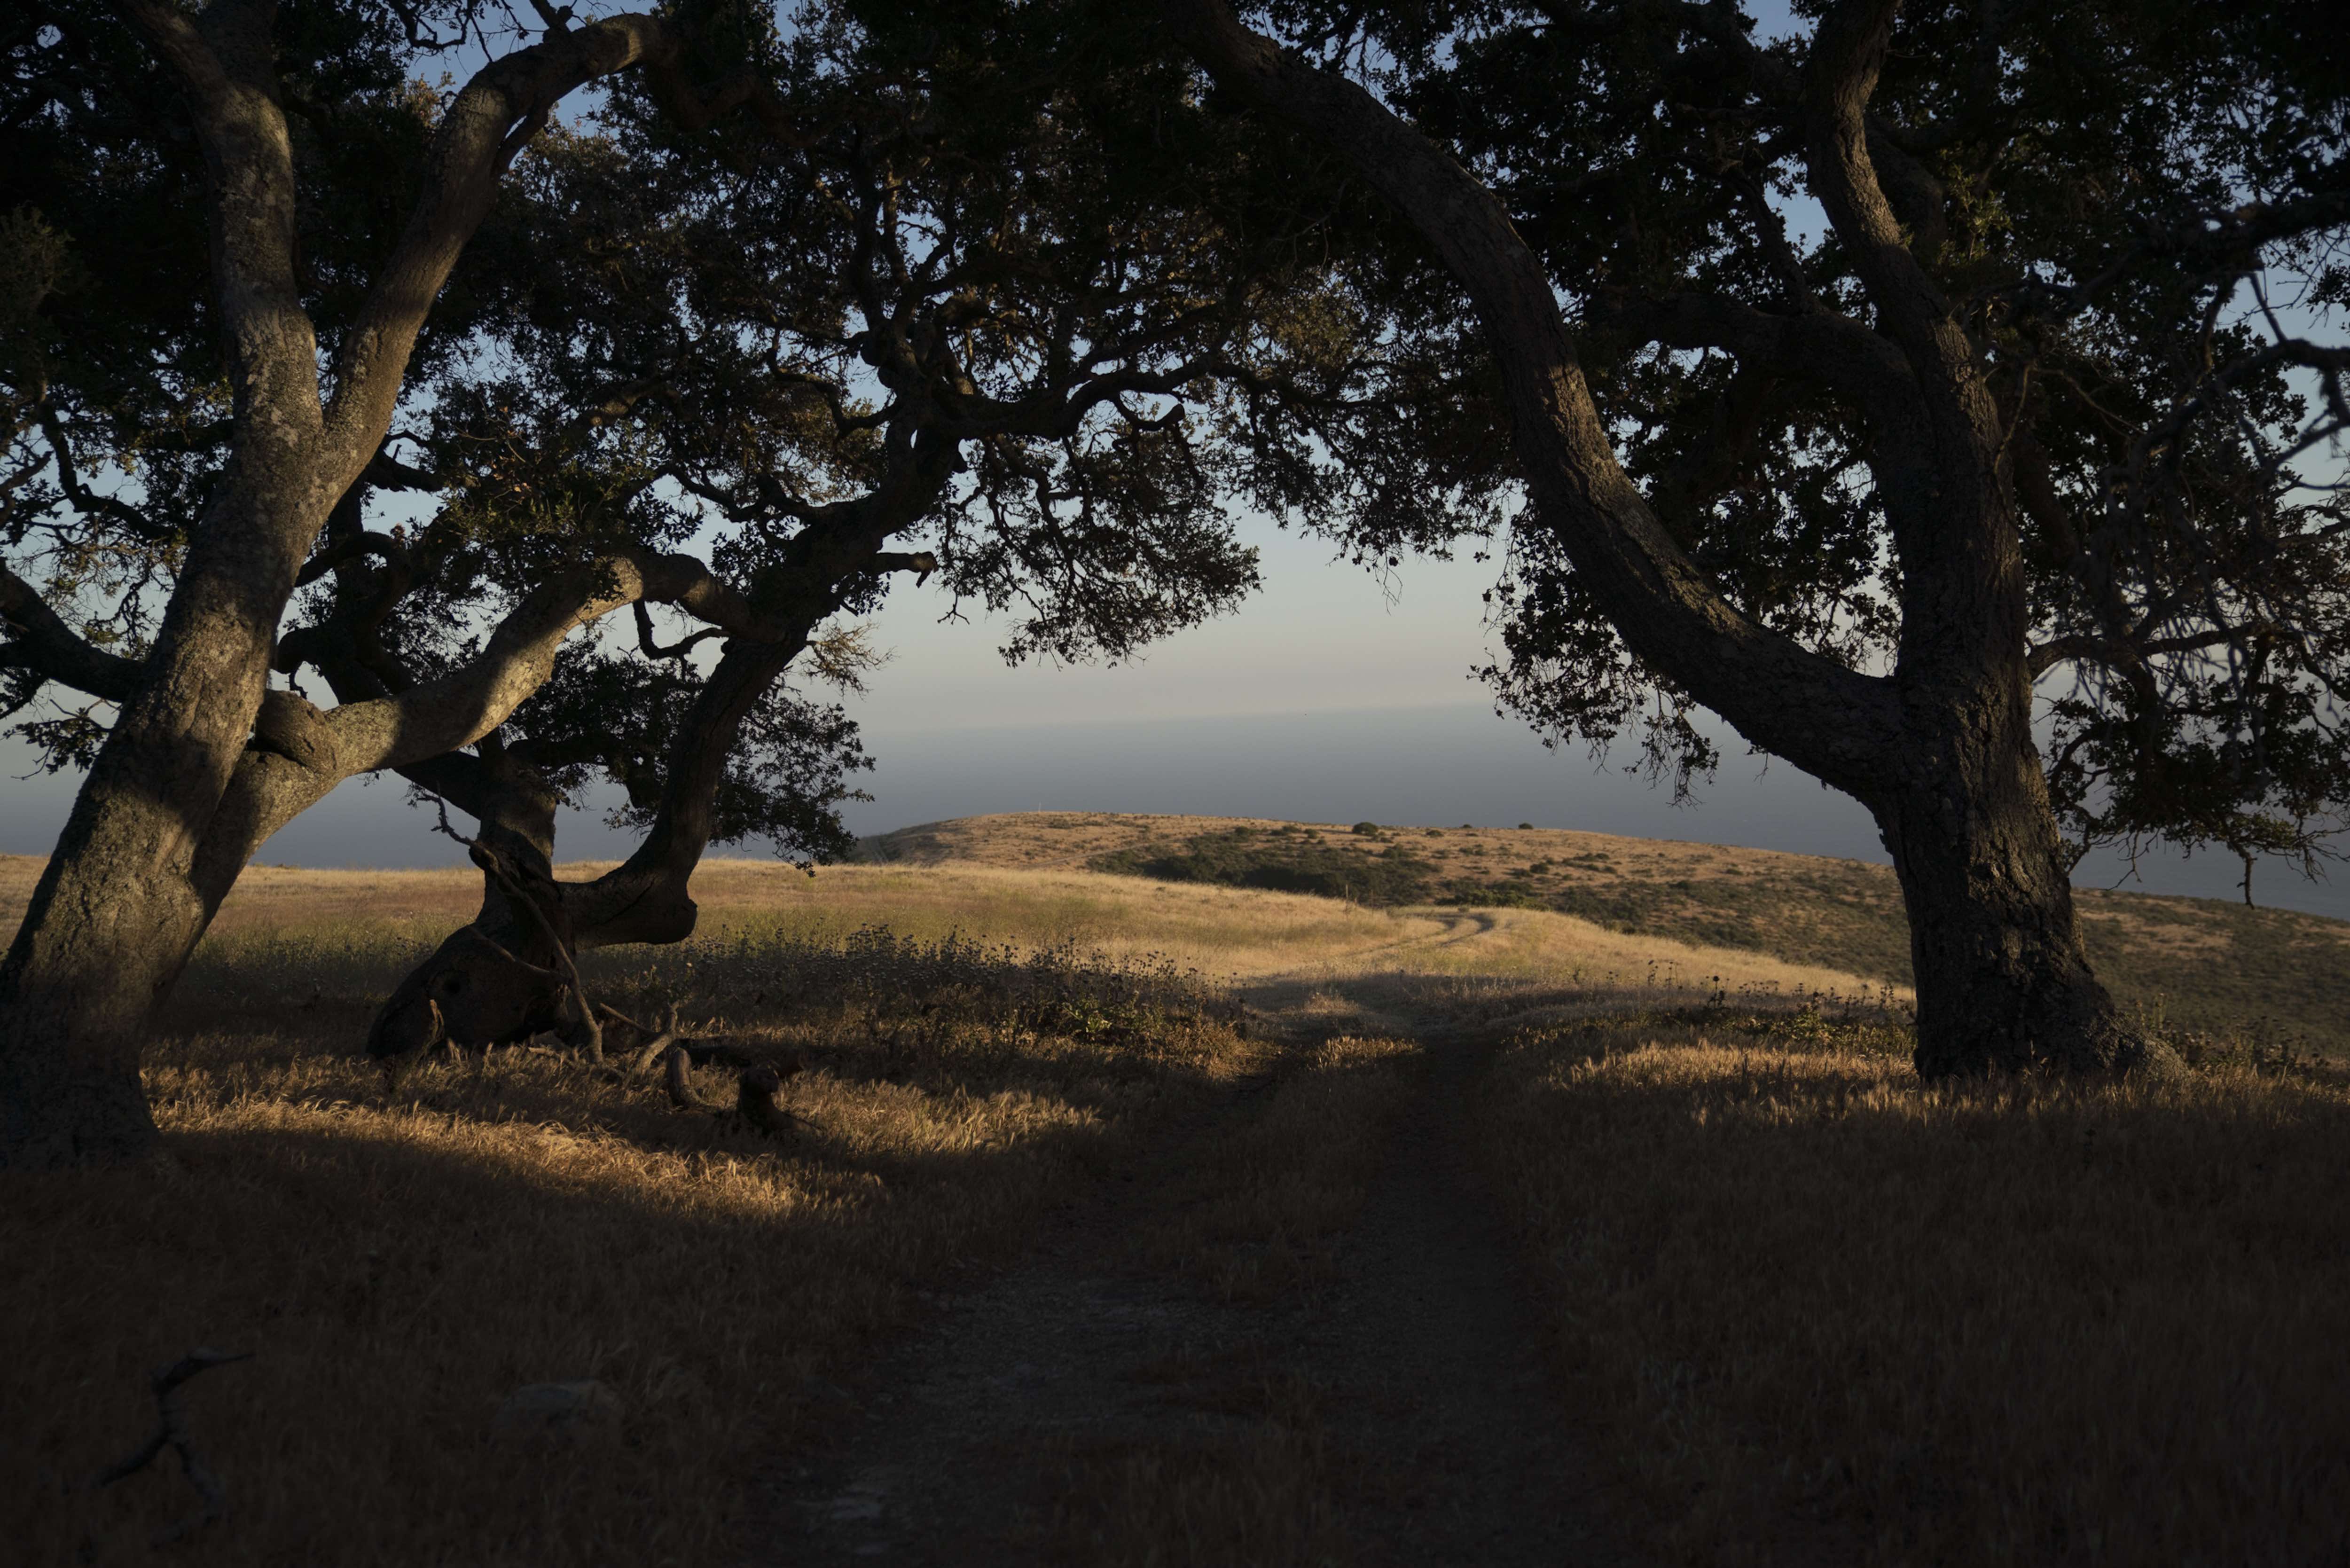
1904, 390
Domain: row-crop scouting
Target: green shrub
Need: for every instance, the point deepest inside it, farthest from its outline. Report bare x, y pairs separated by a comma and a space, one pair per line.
1395, 876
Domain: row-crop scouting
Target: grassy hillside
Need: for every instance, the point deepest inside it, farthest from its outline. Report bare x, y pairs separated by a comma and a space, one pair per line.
2272, 977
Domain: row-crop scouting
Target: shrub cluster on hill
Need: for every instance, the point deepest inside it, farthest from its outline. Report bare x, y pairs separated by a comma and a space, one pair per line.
1286, 860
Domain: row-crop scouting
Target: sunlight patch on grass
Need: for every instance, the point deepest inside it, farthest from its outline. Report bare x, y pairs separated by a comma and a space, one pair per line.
399, 1263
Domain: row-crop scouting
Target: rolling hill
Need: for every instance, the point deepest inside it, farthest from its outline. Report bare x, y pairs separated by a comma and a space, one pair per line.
2275, 978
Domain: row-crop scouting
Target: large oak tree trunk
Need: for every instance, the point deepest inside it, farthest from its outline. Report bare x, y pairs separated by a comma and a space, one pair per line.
2003, 985
118, 912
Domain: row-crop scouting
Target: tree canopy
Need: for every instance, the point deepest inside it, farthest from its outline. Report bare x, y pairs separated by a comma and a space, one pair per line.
798, 303
987, 284
2135, 213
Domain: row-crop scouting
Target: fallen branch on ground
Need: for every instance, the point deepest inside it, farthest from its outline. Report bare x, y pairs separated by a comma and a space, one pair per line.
756, 1084
680, 1086
661, 1040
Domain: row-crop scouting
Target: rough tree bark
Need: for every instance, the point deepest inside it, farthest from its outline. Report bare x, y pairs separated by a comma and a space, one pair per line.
2003, 982
1941, 751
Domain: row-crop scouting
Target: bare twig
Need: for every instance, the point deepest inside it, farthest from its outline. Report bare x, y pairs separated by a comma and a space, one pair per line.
171, 1432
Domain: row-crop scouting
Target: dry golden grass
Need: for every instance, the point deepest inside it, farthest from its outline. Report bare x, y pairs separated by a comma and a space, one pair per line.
1260, 1493
1257, 1214
1811, 1301
17, 874
2270, 975
350, 934
400, 1264
1821, 1313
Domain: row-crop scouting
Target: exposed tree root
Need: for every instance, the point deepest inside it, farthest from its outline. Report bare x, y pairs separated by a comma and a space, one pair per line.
661, 1040
171, 1432
680, 1086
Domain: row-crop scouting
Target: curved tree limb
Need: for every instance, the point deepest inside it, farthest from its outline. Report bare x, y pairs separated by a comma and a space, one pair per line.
484, 127
225, 63
1832, 721
1848, 51
1823, 347
298, 752
644, 898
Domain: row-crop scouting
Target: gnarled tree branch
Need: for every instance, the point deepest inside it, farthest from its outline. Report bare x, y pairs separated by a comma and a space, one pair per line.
1829, 720
44, 644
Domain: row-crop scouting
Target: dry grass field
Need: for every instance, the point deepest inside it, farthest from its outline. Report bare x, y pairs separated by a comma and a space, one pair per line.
2271, 976
1805, 1308
1825, 1315
400, 1262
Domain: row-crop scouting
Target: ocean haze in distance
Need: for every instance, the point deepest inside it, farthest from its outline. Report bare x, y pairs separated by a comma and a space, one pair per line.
1331, 696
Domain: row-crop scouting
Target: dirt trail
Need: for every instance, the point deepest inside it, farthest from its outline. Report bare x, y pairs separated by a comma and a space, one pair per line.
1080, 1409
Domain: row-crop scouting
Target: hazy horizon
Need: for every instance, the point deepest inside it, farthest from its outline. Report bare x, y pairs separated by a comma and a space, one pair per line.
1331, 695
1433, 766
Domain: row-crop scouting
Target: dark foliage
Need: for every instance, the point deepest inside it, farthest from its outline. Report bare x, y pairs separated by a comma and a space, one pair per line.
1284, 860
2137, 211
988, 284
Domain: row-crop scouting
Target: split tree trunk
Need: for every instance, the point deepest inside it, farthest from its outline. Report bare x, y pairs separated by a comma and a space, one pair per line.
497, 977
469, 989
